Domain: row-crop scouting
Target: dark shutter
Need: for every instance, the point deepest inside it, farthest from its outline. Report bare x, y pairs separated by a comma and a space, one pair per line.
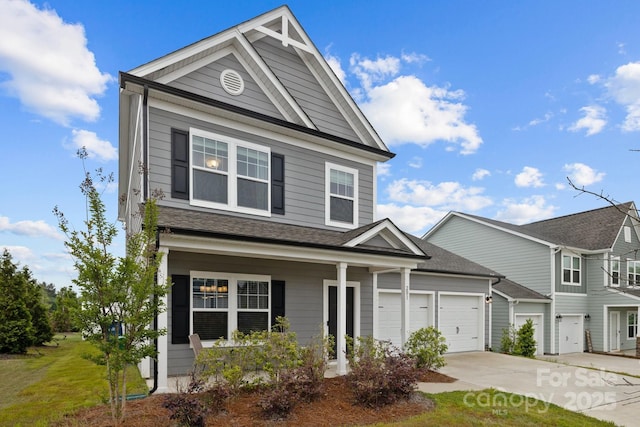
277, 300
277, 184
179, 164
180, 309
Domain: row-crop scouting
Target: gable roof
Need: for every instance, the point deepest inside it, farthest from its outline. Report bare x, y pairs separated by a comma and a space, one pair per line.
210, 224
516, 291
592, 230
281, 26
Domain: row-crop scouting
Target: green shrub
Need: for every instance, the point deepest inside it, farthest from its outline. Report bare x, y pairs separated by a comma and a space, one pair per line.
525, 343
427, 346
508, 340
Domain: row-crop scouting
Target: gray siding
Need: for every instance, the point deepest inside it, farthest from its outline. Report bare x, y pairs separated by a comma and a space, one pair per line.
303, 86
206, 82
626, 251
303, 294
304, 171
521, 260
568, 304
500, 321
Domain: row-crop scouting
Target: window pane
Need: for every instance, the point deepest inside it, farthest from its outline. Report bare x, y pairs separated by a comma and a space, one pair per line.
341, 210
252, 163
209, 153
566, 275
253, 194
210, 325
576, 263
251, 321
566, 261
211, 187
576, 277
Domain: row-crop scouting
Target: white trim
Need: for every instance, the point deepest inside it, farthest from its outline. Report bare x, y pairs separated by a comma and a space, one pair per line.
385, 225
231, 173
163, 324
569, 294
340, 341
327, 195
614, 319
571, 255
609, 277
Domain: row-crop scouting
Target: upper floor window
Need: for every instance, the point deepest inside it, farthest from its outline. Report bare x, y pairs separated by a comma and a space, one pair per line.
571, 269
229, 174
632, 324
615, 271
341, 192
633, 272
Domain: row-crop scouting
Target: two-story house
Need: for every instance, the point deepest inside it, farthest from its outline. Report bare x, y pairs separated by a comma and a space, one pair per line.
587, 264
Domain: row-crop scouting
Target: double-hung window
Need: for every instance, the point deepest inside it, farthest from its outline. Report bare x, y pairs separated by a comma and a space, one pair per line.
223, 303
571, 269
615, 271
341, 196
229, 174
633, 272
632, 324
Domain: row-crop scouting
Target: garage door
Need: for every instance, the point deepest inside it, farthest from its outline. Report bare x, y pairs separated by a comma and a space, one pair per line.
389, 318
570, 334
461, 321
537, 329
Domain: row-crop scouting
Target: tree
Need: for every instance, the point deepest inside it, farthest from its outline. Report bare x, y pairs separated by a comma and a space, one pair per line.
119, 296
525, 344
66, 310
16, 331
35, 299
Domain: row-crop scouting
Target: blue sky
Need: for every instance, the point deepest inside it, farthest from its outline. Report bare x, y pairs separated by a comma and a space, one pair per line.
490, 106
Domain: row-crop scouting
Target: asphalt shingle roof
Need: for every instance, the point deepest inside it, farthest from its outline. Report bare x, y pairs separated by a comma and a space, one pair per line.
517, 291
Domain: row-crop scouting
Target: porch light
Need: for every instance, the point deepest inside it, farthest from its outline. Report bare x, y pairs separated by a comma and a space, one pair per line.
488, 299
587, 317
558, 316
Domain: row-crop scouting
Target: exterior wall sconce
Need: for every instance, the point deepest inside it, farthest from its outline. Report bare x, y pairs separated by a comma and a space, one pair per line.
587, 317
488, 299
558, 316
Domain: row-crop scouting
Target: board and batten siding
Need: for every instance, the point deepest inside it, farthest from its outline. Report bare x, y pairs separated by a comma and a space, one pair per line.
304, 171
521, 260
293, 73
440, 283
206, 82
303, 294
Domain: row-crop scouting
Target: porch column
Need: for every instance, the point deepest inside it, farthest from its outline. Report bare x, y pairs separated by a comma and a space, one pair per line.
163, 343
405, 279
638, 333
341, 330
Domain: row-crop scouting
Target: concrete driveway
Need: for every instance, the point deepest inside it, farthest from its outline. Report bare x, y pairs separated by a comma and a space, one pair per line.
604, 387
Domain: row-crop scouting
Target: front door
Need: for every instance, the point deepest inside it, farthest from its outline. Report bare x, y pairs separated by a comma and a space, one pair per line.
332, 323
614, 331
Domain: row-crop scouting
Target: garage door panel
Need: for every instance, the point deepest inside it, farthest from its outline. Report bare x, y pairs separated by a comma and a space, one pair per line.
460, 322
570, 334
390, 318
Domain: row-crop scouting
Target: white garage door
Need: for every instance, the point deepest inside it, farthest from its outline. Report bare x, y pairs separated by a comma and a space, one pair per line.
537, 328
570, 334
389, 317
461, 321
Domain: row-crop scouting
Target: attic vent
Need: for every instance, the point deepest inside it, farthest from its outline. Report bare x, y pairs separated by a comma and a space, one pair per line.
232, 82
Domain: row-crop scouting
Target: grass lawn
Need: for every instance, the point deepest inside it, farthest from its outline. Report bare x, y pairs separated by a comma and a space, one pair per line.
53, 380
492, 407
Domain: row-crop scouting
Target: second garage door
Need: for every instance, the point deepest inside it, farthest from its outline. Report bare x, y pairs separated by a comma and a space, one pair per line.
389, 314
461, 322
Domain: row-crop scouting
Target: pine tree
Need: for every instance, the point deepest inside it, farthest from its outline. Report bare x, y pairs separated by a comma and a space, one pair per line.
16, 331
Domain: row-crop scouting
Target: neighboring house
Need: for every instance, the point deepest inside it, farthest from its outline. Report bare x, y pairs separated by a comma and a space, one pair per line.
587, 264
268, 173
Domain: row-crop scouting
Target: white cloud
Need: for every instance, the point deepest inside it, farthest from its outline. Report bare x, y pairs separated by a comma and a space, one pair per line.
547, 116
582, 175
413, 219
480, 174
51, 70
413, 57
406, 110
593, 79
445, 195
29, 228
415, 162
96, 148
384, 169
336, 66
621, 48
593, 120
529, 177
528, 210
624, 87
370, 71
20, 254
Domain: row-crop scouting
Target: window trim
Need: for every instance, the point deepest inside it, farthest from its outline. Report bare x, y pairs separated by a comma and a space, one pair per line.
635, 282
231, 173
572, 256
327, 193
232, 309
629, 324
611, 277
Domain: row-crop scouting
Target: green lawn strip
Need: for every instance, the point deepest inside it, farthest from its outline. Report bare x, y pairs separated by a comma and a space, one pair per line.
492, 407
60, 381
